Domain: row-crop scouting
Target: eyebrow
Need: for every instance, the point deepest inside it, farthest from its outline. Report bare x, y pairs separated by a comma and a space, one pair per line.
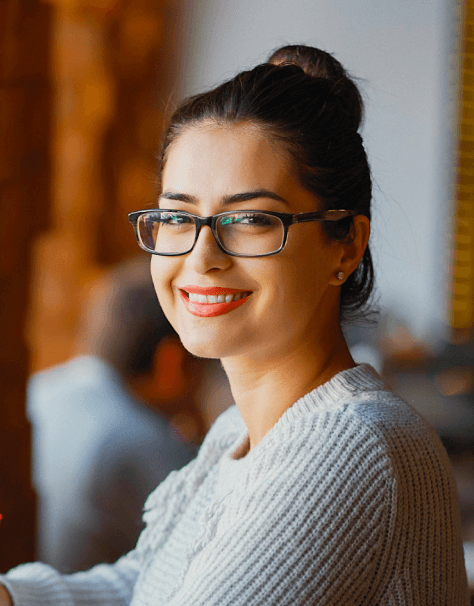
229, 199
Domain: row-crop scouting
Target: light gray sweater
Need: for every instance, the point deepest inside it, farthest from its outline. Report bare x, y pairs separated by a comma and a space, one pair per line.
348, 500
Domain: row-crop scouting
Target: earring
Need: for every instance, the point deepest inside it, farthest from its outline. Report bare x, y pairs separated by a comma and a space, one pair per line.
340, 275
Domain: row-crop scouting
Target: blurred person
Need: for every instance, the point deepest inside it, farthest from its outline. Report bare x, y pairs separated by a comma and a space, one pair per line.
320, 486
103, 430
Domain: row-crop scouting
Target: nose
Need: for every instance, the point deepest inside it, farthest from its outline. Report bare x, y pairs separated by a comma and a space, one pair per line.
206, 255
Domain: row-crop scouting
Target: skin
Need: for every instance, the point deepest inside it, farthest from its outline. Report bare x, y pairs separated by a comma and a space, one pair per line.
286, 339
5, 599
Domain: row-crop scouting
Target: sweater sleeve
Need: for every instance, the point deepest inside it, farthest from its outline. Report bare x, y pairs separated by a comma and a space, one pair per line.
310, 523
37, 584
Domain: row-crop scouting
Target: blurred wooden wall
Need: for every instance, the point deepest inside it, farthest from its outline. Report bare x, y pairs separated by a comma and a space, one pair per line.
25, 176
114, 66
462, 285
84, 88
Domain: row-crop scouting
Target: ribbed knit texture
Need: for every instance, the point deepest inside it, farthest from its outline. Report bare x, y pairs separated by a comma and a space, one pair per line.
348, 500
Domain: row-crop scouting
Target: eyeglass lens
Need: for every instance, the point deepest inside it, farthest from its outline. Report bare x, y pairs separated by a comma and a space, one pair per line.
245, 233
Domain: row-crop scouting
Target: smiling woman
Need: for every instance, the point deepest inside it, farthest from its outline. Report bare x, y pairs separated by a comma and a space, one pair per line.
234, 168
320, 487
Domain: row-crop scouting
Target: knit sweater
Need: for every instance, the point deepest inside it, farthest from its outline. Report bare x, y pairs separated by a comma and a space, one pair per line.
348, 500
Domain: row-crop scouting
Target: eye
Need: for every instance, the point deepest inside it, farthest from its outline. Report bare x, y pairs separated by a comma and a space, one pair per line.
251, 219
174, 219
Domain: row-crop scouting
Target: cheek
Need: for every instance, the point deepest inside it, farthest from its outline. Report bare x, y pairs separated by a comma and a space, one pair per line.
310, 268
305, 284
161, 273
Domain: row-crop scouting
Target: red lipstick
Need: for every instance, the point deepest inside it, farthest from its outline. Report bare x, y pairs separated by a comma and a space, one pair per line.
211, 290
209, 310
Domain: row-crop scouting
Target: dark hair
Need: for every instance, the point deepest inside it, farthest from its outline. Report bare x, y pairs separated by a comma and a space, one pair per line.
304, 99
124, 323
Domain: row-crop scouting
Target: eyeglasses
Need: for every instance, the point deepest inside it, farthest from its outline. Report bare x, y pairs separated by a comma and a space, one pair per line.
244, 233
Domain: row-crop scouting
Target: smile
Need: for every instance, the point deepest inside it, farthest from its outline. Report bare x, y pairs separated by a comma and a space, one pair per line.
210, 299
214, 301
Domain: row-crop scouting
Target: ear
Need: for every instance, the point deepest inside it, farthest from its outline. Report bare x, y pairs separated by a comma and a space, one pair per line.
352, 251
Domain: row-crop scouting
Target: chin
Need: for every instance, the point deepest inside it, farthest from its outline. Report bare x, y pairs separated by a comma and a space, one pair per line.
202, 351
206, 347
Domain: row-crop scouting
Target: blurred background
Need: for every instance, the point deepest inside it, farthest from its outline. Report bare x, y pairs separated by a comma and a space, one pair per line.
85, 89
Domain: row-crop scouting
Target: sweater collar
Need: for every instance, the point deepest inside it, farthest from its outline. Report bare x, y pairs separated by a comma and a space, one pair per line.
329, 395
345, 385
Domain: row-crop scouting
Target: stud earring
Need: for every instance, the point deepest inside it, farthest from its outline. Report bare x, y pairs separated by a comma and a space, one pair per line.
340, 275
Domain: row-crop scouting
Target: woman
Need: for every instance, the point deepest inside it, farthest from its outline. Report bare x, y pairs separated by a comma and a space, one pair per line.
320, 486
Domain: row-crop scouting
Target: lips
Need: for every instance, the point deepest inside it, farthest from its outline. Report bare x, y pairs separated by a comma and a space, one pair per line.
212, 301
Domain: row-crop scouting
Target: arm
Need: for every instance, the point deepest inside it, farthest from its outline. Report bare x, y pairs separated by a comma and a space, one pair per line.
113, 585
5, 599
106, 584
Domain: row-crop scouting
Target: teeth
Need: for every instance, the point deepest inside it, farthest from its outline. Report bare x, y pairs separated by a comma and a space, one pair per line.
216, 298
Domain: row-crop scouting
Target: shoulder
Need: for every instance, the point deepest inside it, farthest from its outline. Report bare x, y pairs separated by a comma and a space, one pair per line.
336, 448
65, 385
408, 439
357, 401
358, 432
370, 450
80, 367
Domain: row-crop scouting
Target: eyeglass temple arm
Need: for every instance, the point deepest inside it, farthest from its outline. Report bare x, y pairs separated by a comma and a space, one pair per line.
325, 215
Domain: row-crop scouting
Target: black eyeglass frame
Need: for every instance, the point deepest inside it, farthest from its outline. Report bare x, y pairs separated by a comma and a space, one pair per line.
287, 219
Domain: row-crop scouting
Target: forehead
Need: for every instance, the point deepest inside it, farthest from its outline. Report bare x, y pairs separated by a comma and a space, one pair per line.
225, 159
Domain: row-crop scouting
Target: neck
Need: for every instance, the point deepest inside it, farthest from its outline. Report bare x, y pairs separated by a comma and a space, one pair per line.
264, 389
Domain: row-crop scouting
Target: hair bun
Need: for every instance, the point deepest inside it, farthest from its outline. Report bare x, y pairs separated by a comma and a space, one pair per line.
313, 61
317, 63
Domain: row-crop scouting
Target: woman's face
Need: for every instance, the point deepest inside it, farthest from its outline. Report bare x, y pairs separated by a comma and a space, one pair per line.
293, 296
